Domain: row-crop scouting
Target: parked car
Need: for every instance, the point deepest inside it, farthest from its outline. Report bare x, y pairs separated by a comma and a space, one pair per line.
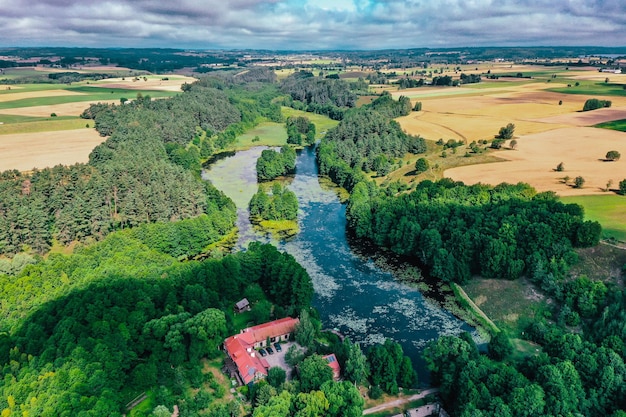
262, 352
270, 350
277, 347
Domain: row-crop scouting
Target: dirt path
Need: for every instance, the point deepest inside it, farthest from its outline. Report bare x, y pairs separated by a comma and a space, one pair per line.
476, 308
400, 401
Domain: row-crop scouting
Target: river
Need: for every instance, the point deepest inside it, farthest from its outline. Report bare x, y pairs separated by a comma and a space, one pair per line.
352, 294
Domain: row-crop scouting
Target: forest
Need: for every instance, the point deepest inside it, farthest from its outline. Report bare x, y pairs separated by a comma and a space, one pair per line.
280, 204
272, 164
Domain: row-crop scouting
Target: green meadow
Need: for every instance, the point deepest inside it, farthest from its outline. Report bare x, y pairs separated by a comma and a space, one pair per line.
322, 123
87, 94
269, 134
590, 88
609, 210
38, 124
614, 125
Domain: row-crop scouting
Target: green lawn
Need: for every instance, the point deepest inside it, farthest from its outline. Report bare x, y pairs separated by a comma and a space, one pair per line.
609, 210
590, 88
509, 304
614, 125
269, 133
322, 123
243, 320
145, 407
46, 125
89, 94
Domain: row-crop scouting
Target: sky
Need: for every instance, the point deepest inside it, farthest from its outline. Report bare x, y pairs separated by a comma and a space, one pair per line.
312, 24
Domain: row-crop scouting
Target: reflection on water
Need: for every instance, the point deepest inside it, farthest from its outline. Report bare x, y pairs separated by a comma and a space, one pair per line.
352, 294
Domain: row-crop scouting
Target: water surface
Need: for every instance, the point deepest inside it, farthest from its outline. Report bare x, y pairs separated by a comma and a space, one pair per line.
352, 294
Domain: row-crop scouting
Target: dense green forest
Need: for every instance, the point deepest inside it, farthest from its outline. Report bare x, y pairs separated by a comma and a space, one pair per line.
327, 96
85, 331
458, 231
147, 170
280, 204
272, 164
300, 130
365, 140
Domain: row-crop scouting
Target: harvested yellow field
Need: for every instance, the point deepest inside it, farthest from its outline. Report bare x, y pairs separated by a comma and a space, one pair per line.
25, 151
65, 109
581, 149
588, 118
173, 83
547, 132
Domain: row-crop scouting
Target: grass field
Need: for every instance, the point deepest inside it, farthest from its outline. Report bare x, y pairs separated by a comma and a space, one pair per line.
88, 94
507, 302
322, 123
269, 133
39, 125
592, 88
609, 210
614, 125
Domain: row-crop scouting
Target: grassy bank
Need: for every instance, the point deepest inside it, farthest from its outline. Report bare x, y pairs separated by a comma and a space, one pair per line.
510, 304
609, 210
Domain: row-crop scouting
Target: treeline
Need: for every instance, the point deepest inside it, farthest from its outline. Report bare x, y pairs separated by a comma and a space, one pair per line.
272, 164
458, 230
83, 334
364, 141
300, 130
281, 204
327, 96
594, 104
387, 106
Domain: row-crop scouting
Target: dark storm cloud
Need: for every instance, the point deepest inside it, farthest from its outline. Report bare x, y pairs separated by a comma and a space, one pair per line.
319, 24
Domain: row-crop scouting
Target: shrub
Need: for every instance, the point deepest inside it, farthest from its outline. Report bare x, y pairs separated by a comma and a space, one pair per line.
506, 132
613, 155
422, 165
579, 182
376, 392
53, 115
594, 103
560, 167
497, 143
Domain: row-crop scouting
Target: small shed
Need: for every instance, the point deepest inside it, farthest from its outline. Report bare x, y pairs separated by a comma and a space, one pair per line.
241, 306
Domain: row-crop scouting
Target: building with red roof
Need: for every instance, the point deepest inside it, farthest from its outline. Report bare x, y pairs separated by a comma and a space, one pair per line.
334, 365
241, 348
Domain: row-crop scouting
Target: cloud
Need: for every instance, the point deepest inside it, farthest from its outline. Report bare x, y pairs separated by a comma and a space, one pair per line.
311, 24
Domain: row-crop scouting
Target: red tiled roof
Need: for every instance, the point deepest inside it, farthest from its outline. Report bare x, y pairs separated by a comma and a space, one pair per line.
334, 365
271, 329
248, 363
240, 347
